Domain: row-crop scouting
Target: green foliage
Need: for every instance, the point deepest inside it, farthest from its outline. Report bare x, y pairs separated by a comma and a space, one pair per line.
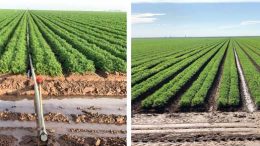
161, 70
250, 71
62, 43
164, 94
229, 89
102, 59
197, 93
13, 59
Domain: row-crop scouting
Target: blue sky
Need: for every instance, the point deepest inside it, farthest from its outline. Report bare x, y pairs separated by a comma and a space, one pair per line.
83, 5
194, 18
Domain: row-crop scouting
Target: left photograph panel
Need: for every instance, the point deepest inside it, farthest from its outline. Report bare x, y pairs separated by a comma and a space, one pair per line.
63, 72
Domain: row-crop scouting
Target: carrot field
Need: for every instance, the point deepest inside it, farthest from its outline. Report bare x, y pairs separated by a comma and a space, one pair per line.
195, 74
62, 42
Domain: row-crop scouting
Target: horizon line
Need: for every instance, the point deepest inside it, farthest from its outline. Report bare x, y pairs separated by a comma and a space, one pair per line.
196, 37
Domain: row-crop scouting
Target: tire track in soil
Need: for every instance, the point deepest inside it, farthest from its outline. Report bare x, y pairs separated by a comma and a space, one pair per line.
195, 132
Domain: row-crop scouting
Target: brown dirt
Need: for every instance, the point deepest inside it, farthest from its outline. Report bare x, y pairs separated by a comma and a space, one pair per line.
193, 117
89, 117
6, 140
54, 117
196, 129
71, 140
97, 131
194, 137
207, 143
88, 85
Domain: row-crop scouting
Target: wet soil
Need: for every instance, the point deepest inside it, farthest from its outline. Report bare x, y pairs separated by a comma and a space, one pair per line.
89, 84
69, 140
74, 121
6, 140
87, 117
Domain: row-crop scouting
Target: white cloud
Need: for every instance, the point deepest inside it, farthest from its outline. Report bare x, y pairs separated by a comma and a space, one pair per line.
145, 18
192, 1
84, 5
250, 22
243, 23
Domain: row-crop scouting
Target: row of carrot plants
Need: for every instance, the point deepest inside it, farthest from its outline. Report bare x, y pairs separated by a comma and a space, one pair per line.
44, 59
251, 74
162, 96
93, 32
101, 44
144, 74
7, 30
14, 57
229, 95
71, 59
164, 75
196, 95
102, 59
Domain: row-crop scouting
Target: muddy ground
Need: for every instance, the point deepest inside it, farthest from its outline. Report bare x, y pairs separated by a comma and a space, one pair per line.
92, 84
69, 121
197, 129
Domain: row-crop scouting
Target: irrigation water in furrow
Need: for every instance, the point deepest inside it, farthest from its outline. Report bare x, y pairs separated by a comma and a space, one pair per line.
65, 117
248, 100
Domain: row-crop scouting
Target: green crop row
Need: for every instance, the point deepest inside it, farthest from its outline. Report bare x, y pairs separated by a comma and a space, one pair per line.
15, 50
159, 58
164, 62
148, 49
251, 74
71, 59
62, 44
100, 44
162, 96
166, 74
102, 59
113, 23
252, 54
229, 86
6, 32
98, 30
195, 96
44, 59
108, 38
144, 74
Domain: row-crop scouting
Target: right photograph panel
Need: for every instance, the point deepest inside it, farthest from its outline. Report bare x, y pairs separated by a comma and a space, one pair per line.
195, 73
